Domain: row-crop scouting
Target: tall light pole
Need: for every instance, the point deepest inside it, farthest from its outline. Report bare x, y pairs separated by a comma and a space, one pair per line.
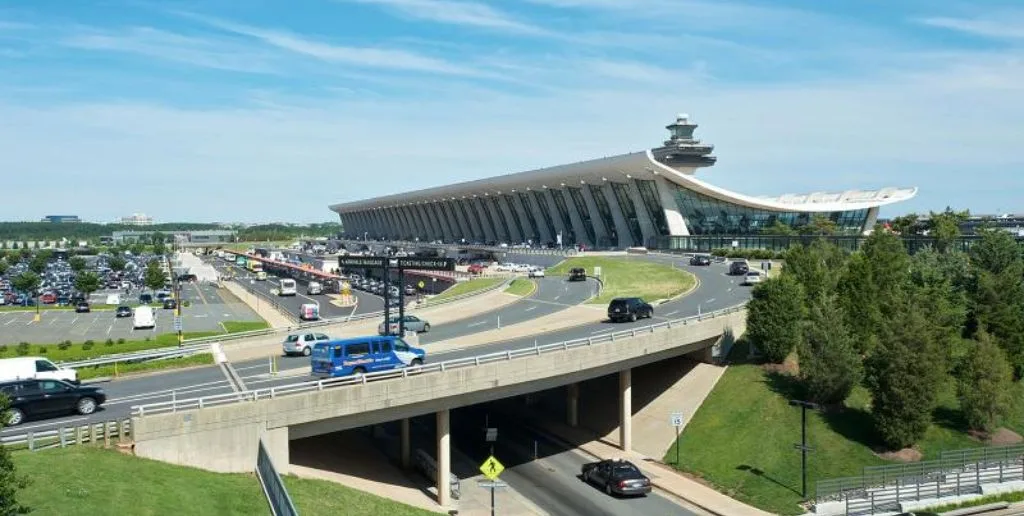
804, 405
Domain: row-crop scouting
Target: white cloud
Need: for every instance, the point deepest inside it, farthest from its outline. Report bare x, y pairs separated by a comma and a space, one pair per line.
472, 14
169, 46
1009, 25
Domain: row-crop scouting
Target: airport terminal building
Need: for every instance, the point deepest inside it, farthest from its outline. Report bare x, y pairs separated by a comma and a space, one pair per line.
648, 198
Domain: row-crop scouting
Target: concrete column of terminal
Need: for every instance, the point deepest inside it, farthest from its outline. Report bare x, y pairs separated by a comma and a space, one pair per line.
626, 410
460, 227
602, 232
538, 216
380, 224
648, 227
418, 229
502, 231
406, 451
618, 216
674, 218
440, 231
490, 231
409, 228
572, 405
444, 467
428, 221
568, 235
575, 218
442, 218
515, 225
396, 227
530, 231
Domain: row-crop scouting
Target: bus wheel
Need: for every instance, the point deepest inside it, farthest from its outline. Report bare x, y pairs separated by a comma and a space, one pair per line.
359, 371
416, 362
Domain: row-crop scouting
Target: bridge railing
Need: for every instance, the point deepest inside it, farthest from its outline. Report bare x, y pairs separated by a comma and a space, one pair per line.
273, 487
69, 435
319, 385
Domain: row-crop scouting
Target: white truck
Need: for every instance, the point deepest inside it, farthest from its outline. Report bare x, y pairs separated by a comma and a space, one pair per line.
26, 368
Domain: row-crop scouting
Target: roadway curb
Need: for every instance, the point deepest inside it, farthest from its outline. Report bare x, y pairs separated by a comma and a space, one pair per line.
526, 295
691, 290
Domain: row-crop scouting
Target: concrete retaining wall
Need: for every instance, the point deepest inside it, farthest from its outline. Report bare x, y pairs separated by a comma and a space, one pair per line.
224, 438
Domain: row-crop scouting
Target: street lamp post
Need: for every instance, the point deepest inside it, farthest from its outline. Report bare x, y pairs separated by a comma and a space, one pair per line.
804, 405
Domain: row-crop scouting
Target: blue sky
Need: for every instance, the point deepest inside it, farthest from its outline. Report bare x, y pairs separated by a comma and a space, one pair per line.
270, 110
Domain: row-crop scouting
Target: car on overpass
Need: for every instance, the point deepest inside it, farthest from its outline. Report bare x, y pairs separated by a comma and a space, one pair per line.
38, 398
700, 260
411, 322
616, 477
302, 343
361, 355
629, 309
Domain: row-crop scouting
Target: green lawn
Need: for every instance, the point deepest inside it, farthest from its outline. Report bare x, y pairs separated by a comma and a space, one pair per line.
521, 287
631, 277
87, 481
84, 373
243, 326
741, 439
466, 287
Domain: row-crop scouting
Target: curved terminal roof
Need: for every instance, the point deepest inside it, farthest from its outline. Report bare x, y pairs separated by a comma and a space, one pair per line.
639, 165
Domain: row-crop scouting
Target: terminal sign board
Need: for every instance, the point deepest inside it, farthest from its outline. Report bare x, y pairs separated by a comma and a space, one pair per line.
427, 264
361, 262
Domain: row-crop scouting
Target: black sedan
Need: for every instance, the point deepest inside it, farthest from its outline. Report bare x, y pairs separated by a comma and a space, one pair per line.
170, 303
81, 308
38, 398
700, 259
619, 477
123, 311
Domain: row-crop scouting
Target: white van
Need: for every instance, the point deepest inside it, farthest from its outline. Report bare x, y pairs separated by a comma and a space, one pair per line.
25, 368
314, 288
144, 318
287, 287
113, 299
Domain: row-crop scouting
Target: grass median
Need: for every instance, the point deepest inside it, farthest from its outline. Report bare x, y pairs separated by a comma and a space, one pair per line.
631, 277
93, 482
115, 370
741, 439
467, 287
521, 287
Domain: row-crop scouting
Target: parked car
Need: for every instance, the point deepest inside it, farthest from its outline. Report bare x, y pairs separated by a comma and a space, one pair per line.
536, 272
170, 303
302, 343
145, 299
37, 398
82, 307
629, 308
739, 268
476, 268
616, 477
123, 311
577, 274
412, 323
752, 278
314, 288
700, 259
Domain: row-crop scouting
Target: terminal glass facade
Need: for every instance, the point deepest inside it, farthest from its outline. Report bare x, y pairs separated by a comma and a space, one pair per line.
545, 212
709, 216
511, 205
649, 193
563, 211
621, 191
605, 211
534, 228
581, 208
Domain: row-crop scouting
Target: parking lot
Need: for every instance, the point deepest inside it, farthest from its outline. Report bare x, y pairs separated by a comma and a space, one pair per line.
209, 306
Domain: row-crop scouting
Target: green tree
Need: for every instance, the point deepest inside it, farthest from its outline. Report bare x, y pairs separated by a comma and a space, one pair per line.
774, 315
116, 263
819, 225
815, 267
872, 284
159, 248
830, 366
137, 249
945, 227
87, 283
904, 374
77, 263
778, 228
38, 264
25, 252
984, 384
3, 267
907, 225
10, 481
154, 277
27, 282
939, 284
997, 293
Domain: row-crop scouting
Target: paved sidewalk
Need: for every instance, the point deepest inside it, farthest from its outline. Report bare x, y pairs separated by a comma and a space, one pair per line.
663, 477
567, 318
272, 315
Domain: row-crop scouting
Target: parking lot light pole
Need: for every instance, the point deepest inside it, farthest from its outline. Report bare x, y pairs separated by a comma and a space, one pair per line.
804, 405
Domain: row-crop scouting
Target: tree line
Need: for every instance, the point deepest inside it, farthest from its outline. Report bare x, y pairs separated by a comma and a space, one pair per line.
900, 325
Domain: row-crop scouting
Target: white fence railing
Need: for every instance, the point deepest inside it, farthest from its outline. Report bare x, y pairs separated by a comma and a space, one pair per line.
319, 385
69, 435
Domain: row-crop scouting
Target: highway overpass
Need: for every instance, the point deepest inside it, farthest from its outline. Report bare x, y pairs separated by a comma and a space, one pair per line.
221, 433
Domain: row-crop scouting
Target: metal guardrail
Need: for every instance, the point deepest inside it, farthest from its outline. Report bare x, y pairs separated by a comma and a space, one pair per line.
319, 385
273, 487
70, 435
140, 356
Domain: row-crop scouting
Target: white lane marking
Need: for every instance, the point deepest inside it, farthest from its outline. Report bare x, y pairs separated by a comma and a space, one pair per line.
712, 300
729, 290
73, 321
200, 387
111, 327
476, 324
673, 312
534, 307
555, 298
12, 321
51, 423
53, 320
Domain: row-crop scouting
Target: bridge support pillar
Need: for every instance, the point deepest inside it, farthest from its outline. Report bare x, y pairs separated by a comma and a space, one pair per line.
405, 443
572, 405
444, 488
626, 410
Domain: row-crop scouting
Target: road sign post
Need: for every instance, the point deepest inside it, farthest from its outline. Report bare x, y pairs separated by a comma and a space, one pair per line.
676, 420
492, 469
401, 264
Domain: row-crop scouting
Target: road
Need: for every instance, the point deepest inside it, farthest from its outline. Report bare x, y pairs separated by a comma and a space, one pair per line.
206, 311
717, 290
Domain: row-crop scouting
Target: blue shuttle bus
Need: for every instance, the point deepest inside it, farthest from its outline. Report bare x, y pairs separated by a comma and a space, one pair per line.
363, 355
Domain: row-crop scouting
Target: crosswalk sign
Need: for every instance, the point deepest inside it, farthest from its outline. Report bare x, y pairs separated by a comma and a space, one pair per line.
491, 468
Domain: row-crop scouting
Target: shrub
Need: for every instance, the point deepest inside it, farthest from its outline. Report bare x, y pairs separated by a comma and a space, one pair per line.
148, 339
120, 340
87, 345
23, 348
3, 349
64, 345
109, 342
774, 316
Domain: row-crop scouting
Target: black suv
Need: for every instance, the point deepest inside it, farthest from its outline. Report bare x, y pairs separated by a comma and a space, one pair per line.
170, 303
145, 299
577, 274
738, 268
700, 259
30, 398
629, 308
123, 311
82, 307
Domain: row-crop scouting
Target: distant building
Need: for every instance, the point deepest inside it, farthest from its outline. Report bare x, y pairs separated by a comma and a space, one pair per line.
199, 236
137, 219
61, 219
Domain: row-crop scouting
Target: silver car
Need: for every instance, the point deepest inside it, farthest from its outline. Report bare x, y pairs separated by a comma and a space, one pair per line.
412, 323
302, 343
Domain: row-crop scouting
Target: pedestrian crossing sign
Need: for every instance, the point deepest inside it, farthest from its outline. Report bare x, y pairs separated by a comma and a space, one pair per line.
491, 468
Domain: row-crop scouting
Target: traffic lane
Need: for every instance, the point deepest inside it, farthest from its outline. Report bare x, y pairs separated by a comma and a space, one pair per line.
552, 481
552, 295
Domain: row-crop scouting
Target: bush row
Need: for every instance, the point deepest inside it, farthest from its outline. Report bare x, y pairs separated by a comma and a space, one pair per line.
752, 254
25, 348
